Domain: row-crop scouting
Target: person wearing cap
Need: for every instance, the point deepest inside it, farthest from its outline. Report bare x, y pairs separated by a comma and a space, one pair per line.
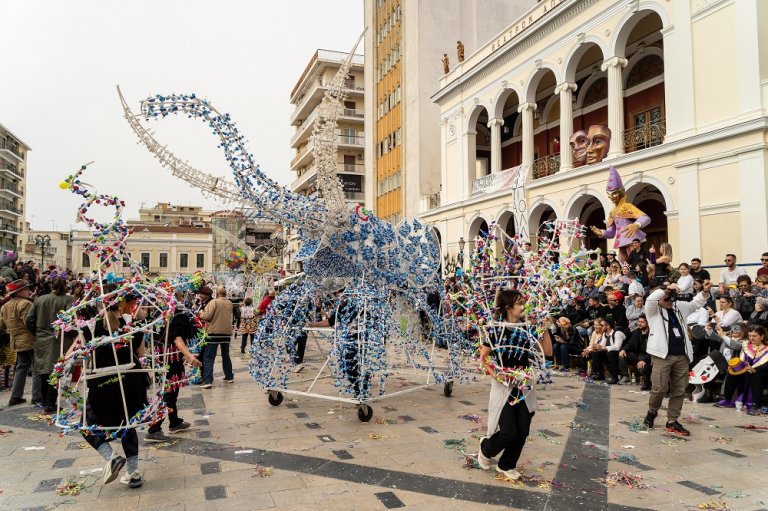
748, 375
625, 221
671, 352
13, 315
218, 317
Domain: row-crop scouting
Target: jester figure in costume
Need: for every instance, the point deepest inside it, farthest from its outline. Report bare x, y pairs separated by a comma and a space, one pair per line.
625, 221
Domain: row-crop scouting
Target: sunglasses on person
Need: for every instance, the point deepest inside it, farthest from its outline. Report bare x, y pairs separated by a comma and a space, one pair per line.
764, 259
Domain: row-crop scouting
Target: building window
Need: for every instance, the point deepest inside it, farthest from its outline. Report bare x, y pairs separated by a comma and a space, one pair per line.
183, 260
163, 259
86, 261
145, 260
200, 260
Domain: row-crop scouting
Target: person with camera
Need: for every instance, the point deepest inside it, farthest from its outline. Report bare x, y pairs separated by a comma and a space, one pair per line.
671, 351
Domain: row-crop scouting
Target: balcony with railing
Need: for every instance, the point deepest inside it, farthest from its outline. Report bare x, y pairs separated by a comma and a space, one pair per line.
315, 92
351, 168
9, 207
350, 140
356, 196
9, 189
351, 112
11, 170
545, 166
303, 154
10, 228
644, 136
10, 149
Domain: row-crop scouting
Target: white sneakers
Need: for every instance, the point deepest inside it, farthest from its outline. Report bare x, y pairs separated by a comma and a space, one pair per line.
485, 463
112, 468
133, 479
483, 460
512, 474
299, 368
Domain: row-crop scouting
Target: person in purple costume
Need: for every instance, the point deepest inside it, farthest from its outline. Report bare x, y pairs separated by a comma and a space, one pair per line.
625, 221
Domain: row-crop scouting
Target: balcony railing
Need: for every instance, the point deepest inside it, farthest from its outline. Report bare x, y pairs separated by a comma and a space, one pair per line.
9, 187
353, 168
9, 206
642, 137
351, 140
10, 228
301, 151
354, 195
546, 166
5, 145
351, 112
13, 169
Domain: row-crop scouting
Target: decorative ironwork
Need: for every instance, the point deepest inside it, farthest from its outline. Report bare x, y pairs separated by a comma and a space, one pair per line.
645, 135
546, 166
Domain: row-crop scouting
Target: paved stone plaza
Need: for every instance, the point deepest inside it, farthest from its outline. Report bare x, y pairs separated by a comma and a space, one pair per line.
243, 453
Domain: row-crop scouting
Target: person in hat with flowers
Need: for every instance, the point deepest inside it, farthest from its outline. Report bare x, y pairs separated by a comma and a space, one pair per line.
13, 315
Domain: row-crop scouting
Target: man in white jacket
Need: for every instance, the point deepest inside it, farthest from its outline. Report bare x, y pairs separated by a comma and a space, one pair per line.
671, 351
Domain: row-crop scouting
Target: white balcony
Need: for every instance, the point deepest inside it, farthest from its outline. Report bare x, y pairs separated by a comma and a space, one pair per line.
9, 210
301, 182
303, 156
314, 95
349, 141
10, 151
10, 171
350, 168
9, 190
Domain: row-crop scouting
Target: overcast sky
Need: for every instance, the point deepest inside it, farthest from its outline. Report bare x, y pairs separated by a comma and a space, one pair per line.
62, 60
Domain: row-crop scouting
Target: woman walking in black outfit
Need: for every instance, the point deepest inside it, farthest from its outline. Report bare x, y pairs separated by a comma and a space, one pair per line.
512, 402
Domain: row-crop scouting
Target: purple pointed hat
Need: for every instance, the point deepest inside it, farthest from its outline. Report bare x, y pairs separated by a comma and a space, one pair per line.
614, 180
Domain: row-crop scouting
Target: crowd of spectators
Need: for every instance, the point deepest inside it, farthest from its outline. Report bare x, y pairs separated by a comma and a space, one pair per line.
603, 331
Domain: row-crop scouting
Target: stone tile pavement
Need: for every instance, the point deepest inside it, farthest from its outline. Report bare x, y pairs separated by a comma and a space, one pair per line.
243, 453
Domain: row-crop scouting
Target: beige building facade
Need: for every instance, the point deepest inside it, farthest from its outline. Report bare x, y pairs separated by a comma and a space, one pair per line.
13, 190
58, 249
164, 251
683, 87
306, 97
405, 42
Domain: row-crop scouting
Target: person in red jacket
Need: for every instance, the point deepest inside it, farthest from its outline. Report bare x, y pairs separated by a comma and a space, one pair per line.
266, 302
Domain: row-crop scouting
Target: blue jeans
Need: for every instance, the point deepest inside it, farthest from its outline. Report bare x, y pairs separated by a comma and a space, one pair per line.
214, 341
562, 351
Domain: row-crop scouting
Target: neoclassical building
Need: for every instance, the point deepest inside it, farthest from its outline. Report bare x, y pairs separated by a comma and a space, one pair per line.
683, 87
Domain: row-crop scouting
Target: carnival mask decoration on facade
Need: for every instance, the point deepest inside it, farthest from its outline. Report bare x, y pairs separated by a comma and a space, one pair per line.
579, 143
598, 143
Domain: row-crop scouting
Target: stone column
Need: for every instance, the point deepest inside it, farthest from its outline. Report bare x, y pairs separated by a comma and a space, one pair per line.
613, 66
566, 90
495, 126
527, 109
